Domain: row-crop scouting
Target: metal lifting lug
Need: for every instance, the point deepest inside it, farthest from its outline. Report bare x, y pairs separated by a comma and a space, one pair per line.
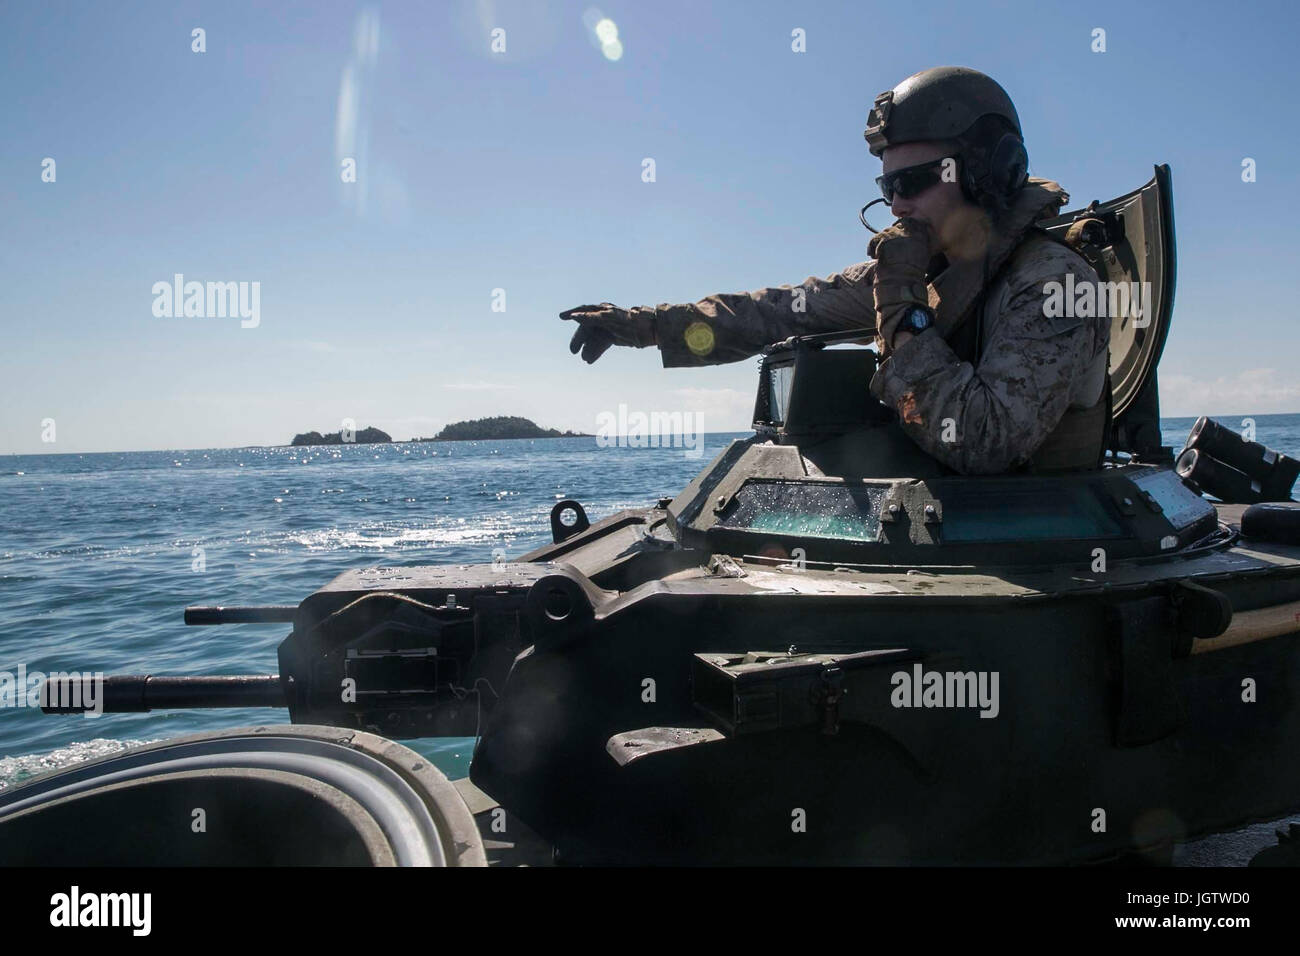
561, 529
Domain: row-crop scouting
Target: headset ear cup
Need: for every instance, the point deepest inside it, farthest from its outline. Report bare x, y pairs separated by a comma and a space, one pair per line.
1009, 167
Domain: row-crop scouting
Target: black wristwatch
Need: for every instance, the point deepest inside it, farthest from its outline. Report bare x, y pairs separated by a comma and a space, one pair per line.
917, 320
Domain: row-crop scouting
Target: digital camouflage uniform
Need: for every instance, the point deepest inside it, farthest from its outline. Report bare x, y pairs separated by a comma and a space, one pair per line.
976, 416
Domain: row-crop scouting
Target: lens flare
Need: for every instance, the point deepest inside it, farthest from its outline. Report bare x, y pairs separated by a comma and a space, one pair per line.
606, 31
603, 34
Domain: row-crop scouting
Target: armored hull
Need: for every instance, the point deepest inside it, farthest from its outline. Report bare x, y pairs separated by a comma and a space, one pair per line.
1103, 726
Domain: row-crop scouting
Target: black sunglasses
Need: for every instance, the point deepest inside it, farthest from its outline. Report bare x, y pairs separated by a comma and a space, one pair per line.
911, 180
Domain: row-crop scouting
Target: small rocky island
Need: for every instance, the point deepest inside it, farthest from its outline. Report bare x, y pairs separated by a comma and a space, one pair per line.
362, 436
496, 428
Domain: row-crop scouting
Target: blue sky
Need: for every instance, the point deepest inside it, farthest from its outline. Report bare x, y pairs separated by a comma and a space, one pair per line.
522, 171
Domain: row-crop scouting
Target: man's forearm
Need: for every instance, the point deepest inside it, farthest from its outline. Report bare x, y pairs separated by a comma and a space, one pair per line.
735, 326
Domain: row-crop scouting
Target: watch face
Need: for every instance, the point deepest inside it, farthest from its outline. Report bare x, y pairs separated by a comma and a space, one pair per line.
918, 320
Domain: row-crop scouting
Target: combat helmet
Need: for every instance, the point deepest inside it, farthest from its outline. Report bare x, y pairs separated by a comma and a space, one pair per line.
963, 105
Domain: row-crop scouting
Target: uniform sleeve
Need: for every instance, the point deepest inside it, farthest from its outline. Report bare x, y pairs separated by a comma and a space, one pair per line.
735, 326
992, 417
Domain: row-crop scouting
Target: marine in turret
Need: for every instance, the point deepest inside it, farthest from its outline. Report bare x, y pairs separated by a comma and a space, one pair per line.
983, 375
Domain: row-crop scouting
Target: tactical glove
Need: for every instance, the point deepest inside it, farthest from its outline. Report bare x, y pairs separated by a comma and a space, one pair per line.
600, 326
902, 253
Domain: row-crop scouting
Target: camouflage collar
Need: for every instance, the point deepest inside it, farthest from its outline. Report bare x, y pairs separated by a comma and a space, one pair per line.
953, 291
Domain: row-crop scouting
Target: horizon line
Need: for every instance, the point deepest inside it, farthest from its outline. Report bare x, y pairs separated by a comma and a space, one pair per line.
416, 441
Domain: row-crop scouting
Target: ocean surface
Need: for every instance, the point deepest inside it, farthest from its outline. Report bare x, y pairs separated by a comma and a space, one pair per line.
100, 553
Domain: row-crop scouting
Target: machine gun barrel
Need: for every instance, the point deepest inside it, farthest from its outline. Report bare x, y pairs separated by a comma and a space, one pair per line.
243, 614
141, 693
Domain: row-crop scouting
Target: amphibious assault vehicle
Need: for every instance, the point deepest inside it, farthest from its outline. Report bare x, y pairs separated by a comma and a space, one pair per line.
827, 649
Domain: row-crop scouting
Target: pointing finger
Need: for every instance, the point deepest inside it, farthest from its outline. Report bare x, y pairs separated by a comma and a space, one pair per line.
583, 311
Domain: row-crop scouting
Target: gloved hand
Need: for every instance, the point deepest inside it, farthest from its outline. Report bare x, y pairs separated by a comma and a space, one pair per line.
600, 326
902, 253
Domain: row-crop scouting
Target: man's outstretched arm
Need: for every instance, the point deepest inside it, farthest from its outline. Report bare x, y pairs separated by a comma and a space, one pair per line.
731, 326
